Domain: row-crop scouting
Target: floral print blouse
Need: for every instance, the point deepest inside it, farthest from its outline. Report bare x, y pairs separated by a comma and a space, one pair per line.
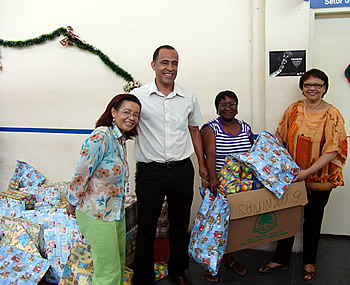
97, 185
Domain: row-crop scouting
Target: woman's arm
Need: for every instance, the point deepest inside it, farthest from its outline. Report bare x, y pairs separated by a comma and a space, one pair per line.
209, 142
319, 163
91, 154
278, 136
251, 139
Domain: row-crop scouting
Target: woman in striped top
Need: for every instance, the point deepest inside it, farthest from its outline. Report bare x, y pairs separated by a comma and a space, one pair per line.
223, 136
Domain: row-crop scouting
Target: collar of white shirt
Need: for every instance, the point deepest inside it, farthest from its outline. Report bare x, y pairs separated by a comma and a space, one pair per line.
177, 90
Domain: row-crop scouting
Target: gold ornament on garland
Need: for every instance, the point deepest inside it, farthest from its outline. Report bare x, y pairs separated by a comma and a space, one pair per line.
131, 85
66, 41
73, 40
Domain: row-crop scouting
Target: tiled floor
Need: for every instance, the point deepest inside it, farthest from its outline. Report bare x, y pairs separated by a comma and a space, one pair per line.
333, 267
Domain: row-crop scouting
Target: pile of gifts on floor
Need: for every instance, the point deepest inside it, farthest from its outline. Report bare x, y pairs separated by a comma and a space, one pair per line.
39, 241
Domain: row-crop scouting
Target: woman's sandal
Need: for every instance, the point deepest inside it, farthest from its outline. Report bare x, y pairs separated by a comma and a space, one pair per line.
237, 268
211, 278
267, 268
309, 274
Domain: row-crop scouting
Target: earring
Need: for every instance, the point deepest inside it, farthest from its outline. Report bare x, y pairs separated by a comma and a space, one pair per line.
113, 119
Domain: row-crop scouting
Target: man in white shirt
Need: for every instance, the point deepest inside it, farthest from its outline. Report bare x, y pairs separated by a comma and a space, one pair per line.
168, 135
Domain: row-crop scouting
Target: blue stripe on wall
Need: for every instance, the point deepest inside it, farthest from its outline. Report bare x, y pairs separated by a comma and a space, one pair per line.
45, 130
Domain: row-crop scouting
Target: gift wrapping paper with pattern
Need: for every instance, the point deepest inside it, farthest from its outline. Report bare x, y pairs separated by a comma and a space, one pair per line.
19, 195
20, 267
27, 175
162, 230
160, 270
79, 265
210, 229
235, 177
44, 195
59, 235
271, 163
128, 275
11, 208
130, 212
18, 237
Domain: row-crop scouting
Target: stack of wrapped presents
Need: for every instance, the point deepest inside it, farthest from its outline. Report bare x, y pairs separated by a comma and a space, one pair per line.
38, 241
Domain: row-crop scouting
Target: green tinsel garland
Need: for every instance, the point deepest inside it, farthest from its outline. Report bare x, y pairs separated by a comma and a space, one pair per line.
76, 42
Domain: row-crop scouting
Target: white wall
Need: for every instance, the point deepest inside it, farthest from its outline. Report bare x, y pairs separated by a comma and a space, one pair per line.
222, 45
64, 87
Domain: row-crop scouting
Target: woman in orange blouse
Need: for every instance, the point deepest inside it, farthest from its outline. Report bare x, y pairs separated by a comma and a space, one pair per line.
313, 131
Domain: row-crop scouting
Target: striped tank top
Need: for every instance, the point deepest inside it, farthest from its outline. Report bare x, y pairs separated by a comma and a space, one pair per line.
226, 143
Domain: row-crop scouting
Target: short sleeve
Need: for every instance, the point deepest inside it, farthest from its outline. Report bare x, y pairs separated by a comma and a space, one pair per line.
195, 117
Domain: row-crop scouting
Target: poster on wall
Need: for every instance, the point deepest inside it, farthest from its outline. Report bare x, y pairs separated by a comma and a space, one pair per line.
287, 63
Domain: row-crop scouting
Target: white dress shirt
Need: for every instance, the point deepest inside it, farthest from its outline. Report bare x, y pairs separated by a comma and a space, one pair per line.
163, 126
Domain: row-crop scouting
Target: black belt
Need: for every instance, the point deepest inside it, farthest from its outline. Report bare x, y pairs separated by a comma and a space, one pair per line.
167, 164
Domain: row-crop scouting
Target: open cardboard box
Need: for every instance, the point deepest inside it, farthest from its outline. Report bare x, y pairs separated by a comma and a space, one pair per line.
258, 216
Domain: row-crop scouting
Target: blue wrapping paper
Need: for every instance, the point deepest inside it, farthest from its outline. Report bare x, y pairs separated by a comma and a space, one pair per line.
271, 163
20, 267
26, 175
209, 233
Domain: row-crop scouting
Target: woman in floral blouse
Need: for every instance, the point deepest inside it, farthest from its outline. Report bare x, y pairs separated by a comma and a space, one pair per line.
97, 188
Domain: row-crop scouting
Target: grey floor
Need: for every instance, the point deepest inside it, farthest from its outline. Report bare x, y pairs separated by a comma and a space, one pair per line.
333, 267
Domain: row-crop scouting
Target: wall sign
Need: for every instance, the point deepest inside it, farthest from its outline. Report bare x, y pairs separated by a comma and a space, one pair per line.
329, 3
287, 63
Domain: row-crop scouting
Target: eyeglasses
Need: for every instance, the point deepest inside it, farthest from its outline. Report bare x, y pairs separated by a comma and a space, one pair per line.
224, 105
316, 85
127, 113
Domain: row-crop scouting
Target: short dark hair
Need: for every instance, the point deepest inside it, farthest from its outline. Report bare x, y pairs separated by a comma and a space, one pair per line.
222, 95
156, 52
315, 73
106, 118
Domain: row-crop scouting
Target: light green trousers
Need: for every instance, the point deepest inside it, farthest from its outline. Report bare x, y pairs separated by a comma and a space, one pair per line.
107, 240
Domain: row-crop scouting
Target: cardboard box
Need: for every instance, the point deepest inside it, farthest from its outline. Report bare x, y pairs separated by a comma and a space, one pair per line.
258, 216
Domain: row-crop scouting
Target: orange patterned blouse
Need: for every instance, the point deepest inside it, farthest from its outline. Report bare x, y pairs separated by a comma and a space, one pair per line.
308, 135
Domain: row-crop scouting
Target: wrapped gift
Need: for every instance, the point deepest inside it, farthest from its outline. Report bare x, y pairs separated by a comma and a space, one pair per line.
230, 172
210, 230
271, 163
18, 237
59, 235
62, 187
79, 265
26, 175
162, 230
44, 195
160, 270
20, 267
236, 177
13, 184
33, 230
130, 239
130, 213
19, 195
128, 275
11, 207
